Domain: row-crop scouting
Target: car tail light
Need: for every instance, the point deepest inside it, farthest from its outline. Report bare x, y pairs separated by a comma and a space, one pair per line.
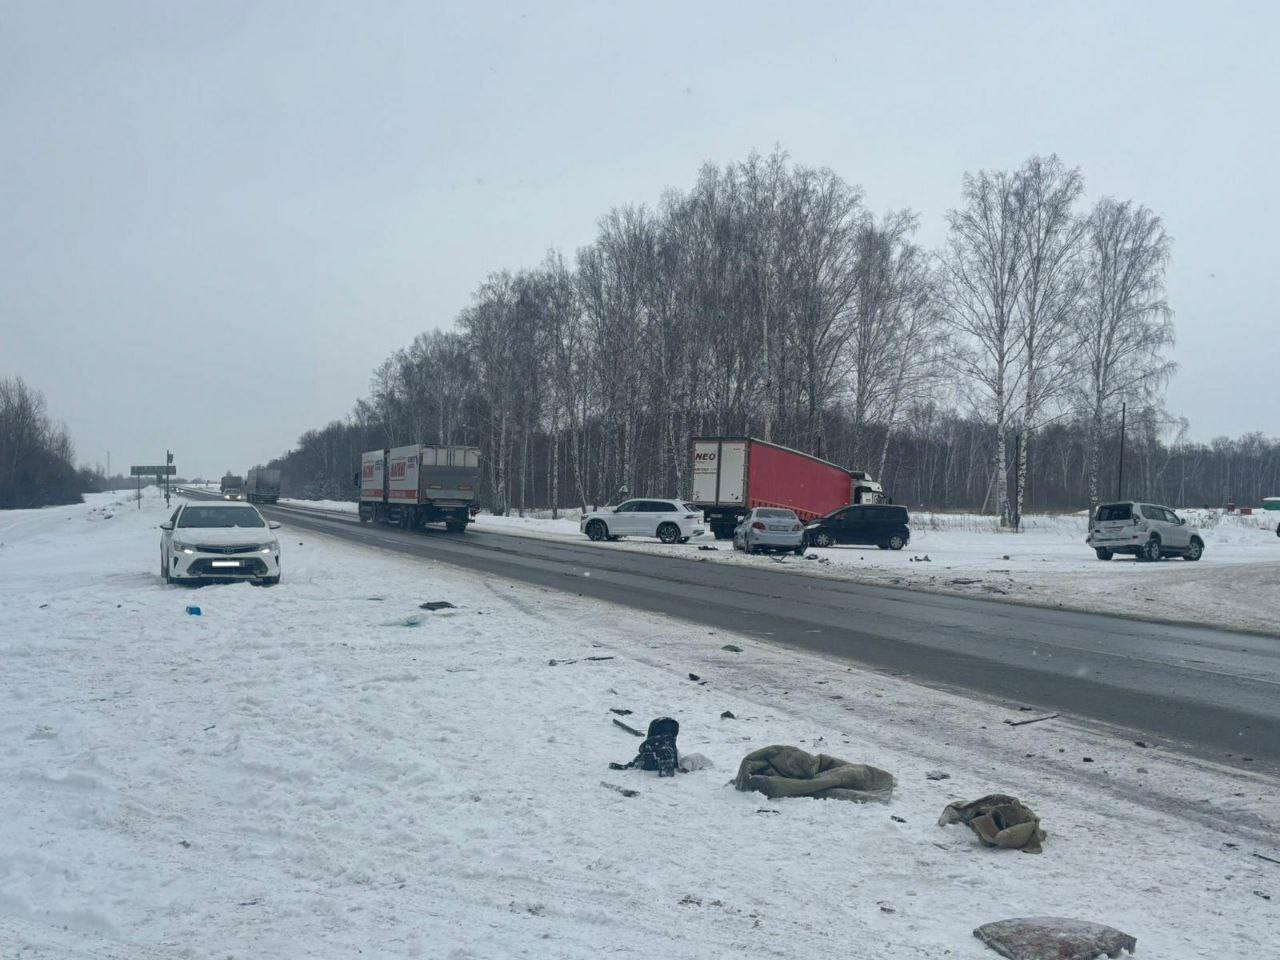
757, 525
796, 528
691, 516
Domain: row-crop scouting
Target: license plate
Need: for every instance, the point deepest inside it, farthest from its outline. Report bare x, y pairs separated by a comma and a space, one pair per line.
224, 563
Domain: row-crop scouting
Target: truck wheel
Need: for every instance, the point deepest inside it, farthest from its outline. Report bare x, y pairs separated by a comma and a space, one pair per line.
597, 531
456, 526
1103, 553
896, 542
668, 533
1194, 551
1150, 551
721, 532
823, 540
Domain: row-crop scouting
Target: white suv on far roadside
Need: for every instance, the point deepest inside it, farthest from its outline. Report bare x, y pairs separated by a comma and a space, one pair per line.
1145, 530
671, 521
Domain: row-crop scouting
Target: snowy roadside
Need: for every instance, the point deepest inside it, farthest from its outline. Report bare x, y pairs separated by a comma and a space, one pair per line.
323, 768
1047, 565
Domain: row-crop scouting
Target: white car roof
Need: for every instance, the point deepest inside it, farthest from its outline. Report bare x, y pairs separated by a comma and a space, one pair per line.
223, 504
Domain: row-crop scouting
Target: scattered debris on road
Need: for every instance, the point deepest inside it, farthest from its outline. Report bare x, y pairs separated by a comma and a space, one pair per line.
436, 605
630, 729
1023, 723
625, 791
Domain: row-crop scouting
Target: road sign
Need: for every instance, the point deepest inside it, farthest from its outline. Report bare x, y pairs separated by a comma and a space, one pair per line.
156, 471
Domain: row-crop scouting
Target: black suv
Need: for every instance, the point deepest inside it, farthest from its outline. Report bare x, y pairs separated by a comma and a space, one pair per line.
884, 525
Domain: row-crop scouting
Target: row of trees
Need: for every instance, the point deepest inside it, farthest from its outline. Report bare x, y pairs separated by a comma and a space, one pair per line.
1057, 312
768, 300
36, 456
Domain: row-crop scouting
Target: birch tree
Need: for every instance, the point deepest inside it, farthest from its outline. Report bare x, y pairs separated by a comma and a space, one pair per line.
1051, 237
982, 275
1125, 326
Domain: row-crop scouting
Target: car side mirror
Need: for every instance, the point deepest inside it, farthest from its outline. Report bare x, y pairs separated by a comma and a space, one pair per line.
273, 524
1182, 521
167, 525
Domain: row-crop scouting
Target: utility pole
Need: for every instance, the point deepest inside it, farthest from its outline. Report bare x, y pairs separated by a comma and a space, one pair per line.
1120, 470
168, 459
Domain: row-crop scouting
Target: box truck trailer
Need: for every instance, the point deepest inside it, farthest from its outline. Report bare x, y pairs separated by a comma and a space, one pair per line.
418, 484
262, 485
732, 475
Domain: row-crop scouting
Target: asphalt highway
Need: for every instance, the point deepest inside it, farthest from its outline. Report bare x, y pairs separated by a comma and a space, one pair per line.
1214, 693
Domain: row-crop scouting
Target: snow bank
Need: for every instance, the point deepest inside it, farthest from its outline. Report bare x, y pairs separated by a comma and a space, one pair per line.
1046, 564
323, 769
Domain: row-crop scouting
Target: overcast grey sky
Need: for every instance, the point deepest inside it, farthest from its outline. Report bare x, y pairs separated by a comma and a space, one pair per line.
216, 219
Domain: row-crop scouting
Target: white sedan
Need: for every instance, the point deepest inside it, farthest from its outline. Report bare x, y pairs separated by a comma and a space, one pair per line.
218, 540
671, 521
769, 528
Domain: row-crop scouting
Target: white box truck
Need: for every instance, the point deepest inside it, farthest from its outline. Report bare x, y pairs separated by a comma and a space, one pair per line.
419, 484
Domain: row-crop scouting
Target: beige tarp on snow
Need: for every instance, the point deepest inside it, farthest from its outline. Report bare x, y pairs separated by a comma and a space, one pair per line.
782, 771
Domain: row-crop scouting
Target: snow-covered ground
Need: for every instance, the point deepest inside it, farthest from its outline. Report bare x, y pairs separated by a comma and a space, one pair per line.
1046, 564
324, 769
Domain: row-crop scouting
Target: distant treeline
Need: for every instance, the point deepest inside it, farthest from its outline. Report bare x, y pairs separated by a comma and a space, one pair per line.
37, 465
937, 460
768, 300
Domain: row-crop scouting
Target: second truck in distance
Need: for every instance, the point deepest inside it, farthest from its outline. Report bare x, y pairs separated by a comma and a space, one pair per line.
263, 485
419, 484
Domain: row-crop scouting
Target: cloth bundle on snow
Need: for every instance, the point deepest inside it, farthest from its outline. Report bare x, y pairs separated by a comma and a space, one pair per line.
782, 771
999, 821
658, 751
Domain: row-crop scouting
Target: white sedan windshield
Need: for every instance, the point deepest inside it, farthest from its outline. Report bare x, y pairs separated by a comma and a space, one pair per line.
220, 517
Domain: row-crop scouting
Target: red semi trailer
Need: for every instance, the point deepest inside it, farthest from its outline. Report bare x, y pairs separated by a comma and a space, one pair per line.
732, 475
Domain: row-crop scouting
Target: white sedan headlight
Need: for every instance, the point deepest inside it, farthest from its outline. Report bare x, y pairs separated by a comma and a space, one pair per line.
184, 547
271, 547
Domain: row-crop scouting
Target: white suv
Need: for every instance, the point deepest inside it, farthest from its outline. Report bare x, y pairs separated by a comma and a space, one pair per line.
1145, 530
218, 540
671, 521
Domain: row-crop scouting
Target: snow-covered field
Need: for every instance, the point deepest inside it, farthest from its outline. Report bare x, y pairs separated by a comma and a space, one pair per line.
1046, 564
323, 769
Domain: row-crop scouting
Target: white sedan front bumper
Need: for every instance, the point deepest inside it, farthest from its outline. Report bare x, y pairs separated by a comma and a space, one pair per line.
250, 562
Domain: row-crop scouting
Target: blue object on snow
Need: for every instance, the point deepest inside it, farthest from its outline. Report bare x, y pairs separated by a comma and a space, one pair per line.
193, 611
